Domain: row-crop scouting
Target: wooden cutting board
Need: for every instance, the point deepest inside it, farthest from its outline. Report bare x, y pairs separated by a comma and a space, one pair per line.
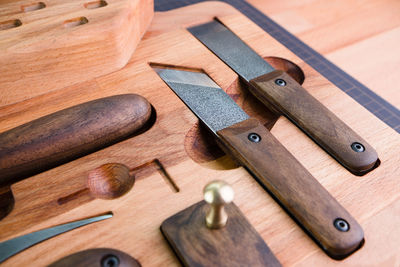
172, 162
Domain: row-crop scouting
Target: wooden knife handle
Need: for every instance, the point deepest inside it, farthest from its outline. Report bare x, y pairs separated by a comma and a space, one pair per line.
67, 134
318, 122
97, 257
293, 186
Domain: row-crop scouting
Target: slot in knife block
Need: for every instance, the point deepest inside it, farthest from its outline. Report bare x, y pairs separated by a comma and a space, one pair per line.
167, 179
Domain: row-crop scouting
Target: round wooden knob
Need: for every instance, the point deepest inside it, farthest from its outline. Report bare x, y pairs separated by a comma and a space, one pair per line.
110, 181
217, 194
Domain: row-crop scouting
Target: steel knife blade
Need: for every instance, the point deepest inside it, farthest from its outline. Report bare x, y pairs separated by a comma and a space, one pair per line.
277, 89
278, 171
13, 246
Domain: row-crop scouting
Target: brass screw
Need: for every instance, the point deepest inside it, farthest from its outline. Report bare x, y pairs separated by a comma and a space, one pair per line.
217, 194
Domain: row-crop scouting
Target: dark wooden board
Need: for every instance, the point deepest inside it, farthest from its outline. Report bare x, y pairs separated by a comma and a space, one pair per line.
236, 244
104, 257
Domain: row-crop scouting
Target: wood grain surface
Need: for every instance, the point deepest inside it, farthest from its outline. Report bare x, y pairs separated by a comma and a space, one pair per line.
236, 244
361, 37
109, 181
65, 42
169, 179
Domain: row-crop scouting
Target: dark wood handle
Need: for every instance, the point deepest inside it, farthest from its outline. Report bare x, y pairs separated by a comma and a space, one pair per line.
315, 120
235, 244
67, 134
97, 257
293, 186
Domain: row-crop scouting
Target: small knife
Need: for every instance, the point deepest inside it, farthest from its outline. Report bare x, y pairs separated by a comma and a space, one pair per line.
277, 89
13, 246
250, 143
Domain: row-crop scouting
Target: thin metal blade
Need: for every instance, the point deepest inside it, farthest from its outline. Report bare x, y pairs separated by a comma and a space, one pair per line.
231, 49
204, 97
13, 246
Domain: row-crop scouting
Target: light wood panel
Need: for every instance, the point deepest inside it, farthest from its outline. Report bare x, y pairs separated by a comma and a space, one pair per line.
58, 43
138, 214
375, 62
361, 37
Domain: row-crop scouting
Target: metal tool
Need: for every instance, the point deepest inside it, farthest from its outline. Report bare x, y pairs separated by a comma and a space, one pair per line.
250, 143
278, 90
13, 246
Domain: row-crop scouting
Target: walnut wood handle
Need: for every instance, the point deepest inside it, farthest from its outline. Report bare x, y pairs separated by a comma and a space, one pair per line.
293, 186
67, 134
97, 257
315, 120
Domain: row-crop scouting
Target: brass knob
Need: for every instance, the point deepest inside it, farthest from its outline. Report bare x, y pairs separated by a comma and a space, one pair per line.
217, 194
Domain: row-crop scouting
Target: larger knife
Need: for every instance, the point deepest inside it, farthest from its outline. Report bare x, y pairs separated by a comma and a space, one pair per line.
277, 89
250, 143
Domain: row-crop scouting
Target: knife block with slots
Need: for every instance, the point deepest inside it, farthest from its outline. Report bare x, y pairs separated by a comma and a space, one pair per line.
175, 158
49, 44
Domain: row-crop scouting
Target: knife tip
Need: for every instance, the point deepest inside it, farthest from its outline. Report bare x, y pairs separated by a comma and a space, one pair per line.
157, 69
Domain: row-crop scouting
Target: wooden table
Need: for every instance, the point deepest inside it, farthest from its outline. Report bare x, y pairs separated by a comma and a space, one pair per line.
361, 37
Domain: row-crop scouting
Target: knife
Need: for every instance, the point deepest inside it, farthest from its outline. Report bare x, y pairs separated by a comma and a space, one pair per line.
250, 143
13, 246
277, 89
